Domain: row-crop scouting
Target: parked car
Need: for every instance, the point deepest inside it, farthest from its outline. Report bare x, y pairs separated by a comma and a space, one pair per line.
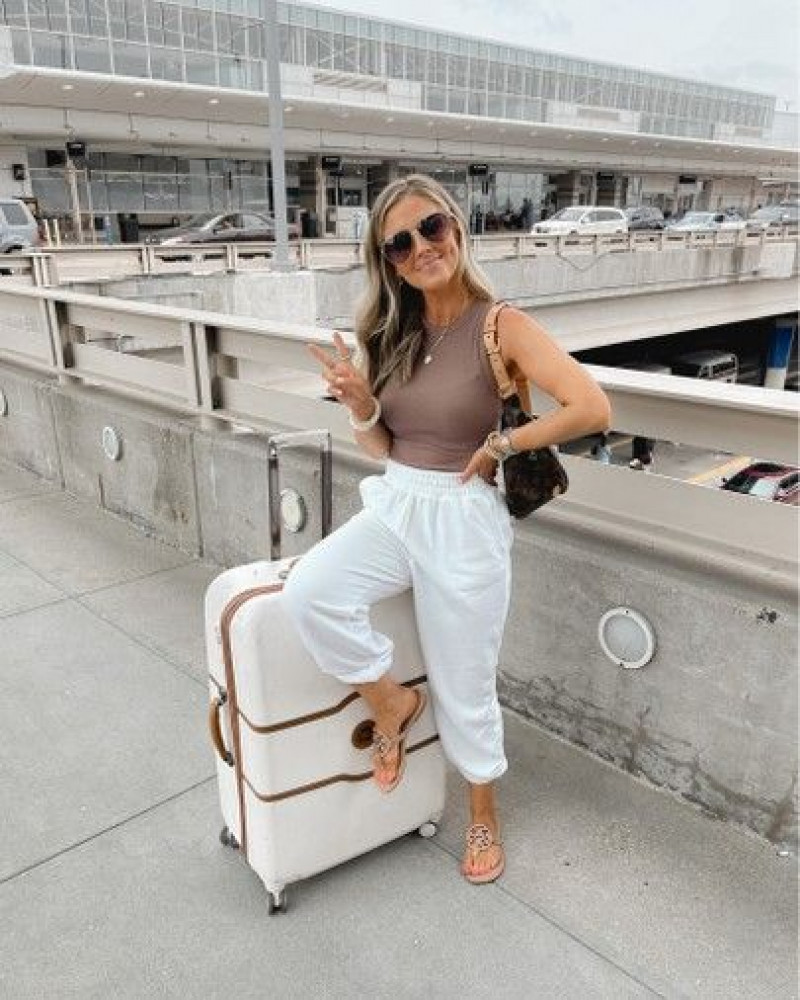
215, 227
787, 214
645, 217
723, 366
18, 228
584, 220
767, 480
708, 221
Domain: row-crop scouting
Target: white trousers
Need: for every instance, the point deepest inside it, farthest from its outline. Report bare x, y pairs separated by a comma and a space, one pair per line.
451, 543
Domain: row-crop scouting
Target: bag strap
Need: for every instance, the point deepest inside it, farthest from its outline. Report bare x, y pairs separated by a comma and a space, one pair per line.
506, 386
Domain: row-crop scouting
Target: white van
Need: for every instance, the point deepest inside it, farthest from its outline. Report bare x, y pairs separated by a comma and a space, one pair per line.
18, 228
723, 366
583, 220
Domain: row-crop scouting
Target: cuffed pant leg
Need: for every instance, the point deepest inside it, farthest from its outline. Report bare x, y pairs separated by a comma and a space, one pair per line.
461, 597
328, 594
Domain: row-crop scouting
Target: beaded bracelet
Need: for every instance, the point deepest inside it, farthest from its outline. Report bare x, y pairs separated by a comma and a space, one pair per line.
369, 423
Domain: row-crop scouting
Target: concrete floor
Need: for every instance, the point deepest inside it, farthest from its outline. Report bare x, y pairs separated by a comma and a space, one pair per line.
113, 883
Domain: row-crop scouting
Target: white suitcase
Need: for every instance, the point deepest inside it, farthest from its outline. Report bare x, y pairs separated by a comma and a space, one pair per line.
293, 744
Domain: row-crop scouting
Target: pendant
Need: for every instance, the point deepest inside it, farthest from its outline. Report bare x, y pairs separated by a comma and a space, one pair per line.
427, 359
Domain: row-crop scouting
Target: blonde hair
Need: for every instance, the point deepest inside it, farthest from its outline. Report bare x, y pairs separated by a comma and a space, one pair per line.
389, 319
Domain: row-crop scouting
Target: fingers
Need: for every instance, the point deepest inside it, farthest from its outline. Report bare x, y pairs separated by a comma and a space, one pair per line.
342, 348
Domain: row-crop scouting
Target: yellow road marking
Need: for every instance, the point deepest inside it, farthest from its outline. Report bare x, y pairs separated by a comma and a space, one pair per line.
734, 465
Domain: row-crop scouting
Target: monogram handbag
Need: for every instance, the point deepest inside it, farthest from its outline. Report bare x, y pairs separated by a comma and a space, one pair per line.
531, 478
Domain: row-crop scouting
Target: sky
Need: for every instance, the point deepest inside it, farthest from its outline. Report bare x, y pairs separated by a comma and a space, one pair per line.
752, 44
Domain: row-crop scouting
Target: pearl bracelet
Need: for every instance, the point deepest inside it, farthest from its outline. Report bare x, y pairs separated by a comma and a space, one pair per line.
369, 423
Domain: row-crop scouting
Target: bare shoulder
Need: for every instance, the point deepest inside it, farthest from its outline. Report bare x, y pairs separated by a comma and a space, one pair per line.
521, 338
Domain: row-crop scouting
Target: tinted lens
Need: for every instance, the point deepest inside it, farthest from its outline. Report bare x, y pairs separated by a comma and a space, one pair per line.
434, 228
397, 249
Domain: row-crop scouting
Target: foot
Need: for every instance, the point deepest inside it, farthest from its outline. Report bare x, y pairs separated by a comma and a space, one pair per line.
485, 859
390, 731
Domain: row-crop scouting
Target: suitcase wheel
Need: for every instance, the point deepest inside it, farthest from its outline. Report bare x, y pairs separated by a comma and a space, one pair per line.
276, 902
227, 839
428, 830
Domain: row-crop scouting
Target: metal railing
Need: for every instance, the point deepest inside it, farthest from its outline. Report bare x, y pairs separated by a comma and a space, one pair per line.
57, 265
226, 370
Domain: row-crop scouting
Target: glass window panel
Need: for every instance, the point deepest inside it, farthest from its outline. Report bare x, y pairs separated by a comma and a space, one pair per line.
515, 107
435, 98
255, 40
200, 68
478, 73
223, 33
99, 190
51, 49
205, 31
415, 64
476, 103
78, 17
155, 23
125, 192
395, 61
497, 77
51, 192
21, 46
239, 36
97, 17
92, 55
166, 64
172, 26
130, 59
189, 28
37, 12
457, 71
495, 106
457, 101
57, 14
160, 193
233, 73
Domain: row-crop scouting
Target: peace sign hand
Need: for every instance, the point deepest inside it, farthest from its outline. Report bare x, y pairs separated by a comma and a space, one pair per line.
346, 383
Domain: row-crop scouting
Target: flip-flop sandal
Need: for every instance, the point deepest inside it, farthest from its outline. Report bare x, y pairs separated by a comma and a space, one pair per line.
383, 745
480, 838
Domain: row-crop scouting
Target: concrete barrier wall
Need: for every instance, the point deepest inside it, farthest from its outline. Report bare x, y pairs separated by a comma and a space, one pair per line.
329, 297
713, 716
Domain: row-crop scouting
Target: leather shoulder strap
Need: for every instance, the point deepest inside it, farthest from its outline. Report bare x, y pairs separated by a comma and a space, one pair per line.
506, 386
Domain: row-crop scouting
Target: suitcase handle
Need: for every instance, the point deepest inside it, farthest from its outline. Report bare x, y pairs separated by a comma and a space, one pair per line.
215, 728
322, 438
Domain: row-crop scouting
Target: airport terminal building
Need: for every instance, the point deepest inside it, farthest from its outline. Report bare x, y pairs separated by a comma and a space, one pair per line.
168, 100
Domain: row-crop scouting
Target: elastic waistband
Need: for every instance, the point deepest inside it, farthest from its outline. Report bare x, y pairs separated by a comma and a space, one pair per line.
430, 482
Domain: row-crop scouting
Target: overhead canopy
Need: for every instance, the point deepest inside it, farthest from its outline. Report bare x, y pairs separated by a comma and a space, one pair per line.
38, 103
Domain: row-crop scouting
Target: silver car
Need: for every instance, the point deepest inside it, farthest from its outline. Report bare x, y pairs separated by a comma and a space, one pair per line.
18, 228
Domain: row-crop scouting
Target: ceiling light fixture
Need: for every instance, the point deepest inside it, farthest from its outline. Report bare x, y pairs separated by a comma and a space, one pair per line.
213, 100
67, 86
138, 93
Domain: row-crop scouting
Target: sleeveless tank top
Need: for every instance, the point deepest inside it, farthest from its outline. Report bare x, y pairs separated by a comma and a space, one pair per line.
440, 417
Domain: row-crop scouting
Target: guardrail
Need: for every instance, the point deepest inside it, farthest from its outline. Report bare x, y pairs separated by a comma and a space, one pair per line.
226, 370
57, 265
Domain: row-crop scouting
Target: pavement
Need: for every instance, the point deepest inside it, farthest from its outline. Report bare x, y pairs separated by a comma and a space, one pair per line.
113, 883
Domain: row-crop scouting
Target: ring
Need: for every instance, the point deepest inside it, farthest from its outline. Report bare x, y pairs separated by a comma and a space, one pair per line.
346, 356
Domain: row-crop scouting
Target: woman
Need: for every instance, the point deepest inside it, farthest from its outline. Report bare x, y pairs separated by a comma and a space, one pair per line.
425, 399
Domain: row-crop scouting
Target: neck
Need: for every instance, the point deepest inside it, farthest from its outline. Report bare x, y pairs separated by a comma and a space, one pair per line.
445, 306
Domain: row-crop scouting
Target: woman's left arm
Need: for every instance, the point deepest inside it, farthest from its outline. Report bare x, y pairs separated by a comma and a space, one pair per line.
530, 353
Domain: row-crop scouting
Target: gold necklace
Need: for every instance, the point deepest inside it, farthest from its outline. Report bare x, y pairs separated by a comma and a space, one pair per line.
429, 353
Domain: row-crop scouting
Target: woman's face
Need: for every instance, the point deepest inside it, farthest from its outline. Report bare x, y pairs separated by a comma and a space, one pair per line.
432, 262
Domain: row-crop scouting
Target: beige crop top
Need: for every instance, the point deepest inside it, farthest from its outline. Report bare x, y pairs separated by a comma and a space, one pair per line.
441, 416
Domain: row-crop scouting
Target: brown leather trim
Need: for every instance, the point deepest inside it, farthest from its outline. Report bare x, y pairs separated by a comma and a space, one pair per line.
506, 386
334, 779
302, 720
226, 618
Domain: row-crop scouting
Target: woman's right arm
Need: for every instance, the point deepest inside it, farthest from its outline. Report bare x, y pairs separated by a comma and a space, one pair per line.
352, 389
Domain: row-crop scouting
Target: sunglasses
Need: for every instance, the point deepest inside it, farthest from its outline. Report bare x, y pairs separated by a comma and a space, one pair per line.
433, 228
